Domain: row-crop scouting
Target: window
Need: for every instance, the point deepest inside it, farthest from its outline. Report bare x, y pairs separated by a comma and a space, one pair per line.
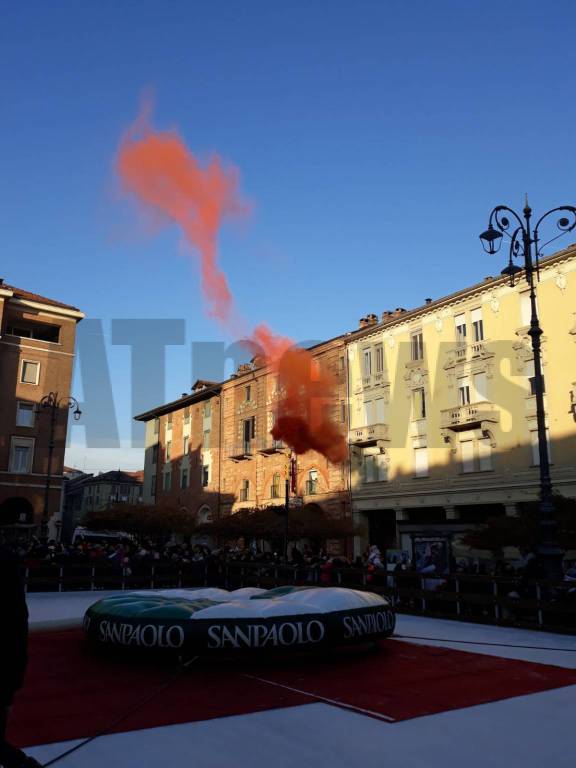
245, 490
187, 415
186, 445
342, 411
480, 387
532, 378
248, 432
167, 481
417, 346
421, 462
184, 478
156, 425
169, 421
206, 440
341, 363
379, 359
418, 403
464, 391
207, 409
24, 414
30, 372
375, 468
155, 453
467, 454
29, 330
476, 455
153, 485
205, 475
525, 309
247, 393
484, 454
368, 413
275, 487
312, 482
168, 450
21, 454
379, 408
460, 323
367, 357
477, 324
315, 370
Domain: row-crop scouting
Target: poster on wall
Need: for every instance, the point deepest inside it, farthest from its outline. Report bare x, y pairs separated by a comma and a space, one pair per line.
431, 555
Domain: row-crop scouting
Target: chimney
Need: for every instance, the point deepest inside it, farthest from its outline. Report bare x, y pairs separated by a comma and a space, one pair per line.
184, 394
387, 314
399, 311
372, 319
428, 301
1, 281
363, 322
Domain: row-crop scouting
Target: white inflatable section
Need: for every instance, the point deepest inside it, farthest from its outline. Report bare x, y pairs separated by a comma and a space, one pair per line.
238, 605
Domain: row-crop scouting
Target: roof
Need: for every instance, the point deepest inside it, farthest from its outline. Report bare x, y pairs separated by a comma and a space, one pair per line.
488, 282
117, 476
211, 388
182, 402
20, 293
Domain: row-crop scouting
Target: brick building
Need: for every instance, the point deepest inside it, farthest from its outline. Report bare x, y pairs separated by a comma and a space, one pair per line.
37, 337
212, 453
182, 453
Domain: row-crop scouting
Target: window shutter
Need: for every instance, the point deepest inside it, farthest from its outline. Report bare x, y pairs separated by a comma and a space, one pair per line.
480, 385
467, 451
421, 462
476, 315
379, 410
485, 454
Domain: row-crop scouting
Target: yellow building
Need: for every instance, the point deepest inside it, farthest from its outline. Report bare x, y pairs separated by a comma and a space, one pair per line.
442, 411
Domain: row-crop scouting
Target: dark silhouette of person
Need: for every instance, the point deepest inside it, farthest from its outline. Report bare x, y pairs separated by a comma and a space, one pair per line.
13, 650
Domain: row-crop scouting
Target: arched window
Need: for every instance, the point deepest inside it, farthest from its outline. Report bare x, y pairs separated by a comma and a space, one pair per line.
204, 514
245, 490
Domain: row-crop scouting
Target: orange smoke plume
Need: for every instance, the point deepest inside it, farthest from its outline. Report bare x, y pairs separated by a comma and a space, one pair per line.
160, 172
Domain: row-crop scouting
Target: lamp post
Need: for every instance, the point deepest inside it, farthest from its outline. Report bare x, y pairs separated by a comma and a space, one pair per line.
523, 238
50, 403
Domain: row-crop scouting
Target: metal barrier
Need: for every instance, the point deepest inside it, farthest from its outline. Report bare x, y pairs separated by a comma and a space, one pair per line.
506, 600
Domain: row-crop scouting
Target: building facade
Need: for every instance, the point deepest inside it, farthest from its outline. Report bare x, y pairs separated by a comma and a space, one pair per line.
442, 426
183, 452
85, 493
211, 451
37, 337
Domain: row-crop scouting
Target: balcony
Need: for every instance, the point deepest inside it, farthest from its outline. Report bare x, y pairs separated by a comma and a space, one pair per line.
364, 436
268, 445
469, 416
464, 353
241, 450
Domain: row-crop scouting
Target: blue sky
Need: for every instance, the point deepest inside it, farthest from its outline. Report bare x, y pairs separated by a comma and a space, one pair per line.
373, 138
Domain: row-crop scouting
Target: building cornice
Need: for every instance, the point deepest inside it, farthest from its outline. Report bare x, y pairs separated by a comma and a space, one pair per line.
465, 293
48, 308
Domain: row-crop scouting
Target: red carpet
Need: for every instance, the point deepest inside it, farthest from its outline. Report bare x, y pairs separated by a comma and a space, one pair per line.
72, 694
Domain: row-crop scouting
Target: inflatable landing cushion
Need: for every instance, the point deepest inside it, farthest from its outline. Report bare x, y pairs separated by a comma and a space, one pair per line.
202, 620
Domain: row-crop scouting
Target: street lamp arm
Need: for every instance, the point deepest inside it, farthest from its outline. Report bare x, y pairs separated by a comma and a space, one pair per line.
565, 223
502, 222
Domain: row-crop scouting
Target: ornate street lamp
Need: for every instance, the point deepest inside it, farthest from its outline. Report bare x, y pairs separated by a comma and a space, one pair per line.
52, 403
522, 238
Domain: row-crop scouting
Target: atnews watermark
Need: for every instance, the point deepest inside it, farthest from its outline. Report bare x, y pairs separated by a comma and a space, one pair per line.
488, 382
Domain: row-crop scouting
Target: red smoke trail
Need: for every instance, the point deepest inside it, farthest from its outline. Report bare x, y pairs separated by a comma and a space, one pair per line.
159, 170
